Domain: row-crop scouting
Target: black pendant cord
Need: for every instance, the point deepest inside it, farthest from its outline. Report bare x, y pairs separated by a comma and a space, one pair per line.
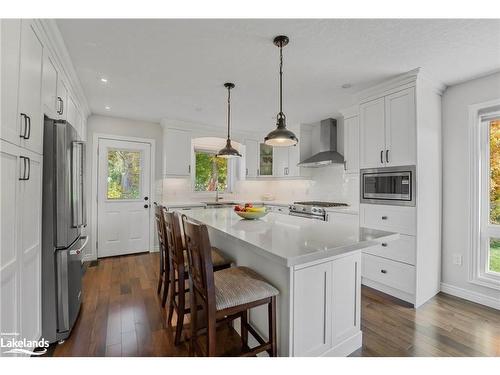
281, 114
228, 110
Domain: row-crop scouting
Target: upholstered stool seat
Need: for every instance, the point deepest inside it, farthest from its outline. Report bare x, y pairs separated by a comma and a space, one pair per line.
240, 285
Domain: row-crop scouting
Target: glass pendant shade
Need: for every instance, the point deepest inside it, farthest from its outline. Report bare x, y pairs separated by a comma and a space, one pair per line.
281, 136
228, 151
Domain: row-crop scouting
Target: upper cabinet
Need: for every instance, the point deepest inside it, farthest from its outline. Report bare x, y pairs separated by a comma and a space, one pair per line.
177, 152
30, 89
10, 47
400, 129
387, 130
251, 157
351, 140
49, 87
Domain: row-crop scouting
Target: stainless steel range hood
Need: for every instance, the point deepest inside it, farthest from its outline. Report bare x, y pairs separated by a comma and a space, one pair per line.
324, 143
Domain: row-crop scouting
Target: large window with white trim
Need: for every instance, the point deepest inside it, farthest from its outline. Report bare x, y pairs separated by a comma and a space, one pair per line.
490, 196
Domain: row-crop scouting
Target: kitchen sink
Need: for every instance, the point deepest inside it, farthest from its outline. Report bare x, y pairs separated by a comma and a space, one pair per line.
219, 204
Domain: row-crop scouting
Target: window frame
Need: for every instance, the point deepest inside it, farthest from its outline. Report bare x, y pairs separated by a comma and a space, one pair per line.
481, 230
230, 172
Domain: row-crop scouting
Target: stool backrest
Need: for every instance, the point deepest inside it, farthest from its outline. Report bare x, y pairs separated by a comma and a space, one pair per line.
173, 236
160, 226
201, 274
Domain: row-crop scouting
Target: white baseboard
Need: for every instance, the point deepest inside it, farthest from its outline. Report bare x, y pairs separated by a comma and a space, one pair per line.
346, 347
471, 296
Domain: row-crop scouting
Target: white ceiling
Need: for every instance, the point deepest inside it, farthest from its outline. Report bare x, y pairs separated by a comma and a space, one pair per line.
176, 68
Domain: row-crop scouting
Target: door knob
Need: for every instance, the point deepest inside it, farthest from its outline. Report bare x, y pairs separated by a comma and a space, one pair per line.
146, 206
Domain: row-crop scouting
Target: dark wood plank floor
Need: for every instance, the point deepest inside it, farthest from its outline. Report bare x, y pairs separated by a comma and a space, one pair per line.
122, 316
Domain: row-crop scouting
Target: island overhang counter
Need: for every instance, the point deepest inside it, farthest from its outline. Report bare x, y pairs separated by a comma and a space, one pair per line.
315, 265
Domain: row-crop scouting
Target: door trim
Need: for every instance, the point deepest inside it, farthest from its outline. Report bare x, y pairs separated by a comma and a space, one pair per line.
94, 183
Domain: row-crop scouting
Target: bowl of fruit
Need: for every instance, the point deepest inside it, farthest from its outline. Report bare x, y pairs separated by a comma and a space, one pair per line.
249, 212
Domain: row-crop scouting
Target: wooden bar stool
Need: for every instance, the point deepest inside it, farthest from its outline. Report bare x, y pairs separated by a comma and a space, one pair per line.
163, 279
224, 296
179, 270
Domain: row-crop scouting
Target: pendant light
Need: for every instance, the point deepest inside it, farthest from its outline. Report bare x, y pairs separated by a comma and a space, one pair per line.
228, 151
281, 136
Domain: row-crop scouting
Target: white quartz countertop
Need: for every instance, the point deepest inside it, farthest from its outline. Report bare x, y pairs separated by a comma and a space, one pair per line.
291, 240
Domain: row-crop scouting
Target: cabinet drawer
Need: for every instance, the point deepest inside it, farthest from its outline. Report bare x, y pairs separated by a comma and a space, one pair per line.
390, 218
394, 274
402, 250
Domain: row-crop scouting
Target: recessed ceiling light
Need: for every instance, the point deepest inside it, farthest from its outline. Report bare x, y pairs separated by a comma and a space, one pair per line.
107, 108
104, 80
346, 85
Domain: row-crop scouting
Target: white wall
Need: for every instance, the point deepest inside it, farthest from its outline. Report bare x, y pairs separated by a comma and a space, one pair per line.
121, 127
456, 100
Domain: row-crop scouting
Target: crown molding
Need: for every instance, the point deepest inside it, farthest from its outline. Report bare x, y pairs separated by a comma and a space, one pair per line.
54, 42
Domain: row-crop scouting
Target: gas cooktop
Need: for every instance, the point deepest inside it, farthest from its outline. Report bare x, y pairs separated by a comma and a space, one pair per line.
322, 204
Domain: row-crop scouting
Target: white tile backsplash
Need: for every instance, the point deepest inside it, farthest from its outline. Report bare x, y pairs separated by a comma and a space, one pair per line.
328, 183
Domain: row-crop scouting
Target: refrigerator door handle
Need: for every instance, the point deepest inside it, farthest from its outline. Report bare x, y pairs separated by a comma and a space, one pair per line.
79, 216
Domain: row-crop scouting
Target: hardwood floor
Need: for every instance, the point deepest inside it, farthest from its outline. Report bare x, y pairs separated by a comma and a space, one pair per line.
122, 316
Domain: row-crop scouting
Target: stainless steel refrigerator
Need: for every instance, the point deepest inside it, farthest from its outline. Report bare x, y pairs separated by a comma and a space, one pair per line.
63, 217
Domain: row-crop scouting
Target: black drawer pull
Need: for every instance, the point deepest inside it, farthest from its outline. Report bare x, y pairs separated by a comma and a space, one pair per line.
384, 217
384, 244
383, 271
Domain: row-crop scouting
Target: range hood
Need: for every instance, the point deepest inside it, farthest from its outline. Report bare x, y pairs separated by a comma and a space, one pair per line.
324, 145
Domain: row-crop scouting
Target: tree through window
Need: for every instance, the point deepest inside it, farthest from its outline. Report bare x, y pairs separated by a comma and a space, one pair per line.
211, 173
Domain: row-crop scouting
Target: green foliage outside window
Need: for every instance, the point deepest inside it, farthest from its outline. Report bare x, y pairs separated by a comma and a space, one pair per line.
210, 172
124, 173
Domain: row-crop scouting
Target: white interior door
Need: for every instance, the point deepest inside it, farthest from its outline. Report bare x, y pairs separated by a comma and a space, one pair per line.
124, 191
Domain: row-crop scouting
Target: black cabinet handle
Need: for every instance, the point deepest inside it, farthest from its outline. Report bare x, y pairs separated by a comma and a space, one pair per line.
25, 122
29, 127
387, 156
384, 217
384, 244
381, 156
383, 271
26, 168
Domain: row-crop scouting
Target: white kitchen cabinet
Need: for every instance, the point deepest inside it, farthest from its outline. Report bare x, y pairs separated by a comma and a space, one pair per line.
10, 47
280, 161
372, 133
9, 257
400, 129
340, 217
29, 242
351, 144
72, 114
251, 157
327, 316
20, 260
388, 130
177, 152
30, 89
49, 87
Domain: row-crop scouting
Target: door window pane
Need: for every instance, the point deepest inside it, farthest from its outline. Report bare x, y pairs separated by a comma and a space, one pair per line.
124, 174
494, 139
494, 263
210, 172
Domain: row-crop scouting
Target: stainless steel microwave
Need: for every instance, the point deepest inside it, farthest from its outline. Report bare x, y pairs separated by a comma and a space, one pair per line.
390, 185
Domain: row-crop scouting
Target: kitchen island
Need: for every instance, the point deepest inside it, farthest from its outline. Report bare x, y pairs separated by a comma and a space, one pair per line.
315, 265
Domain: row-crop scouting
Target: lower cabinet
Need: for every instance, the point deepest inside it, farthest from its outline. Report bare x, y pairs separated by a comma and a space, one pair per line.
20, 257
328, 314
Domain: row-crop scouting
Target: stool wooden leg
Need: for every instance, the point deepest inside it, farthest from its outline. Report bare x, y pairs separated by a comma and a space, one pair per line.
271, 309
211, 336
181, 305
171, 296
162, 272
244, 330
166, 285
193, 323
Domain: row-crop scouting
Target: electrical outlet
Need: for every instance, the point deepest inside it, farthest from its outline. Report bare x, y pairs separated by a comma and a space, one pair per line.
457, 259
